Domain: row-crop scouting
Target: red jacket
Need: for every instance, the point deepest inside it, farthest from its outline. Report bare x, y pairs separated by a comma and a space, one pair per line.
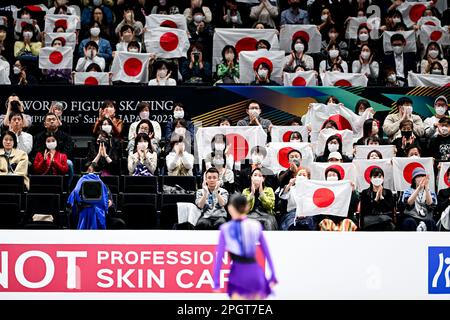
47, 167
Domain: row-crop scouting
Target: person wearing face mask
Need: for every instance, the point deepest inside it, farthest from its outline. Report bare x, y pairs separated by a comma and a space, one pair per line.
431, 123
90, 56
142, 161
371, 127
6, 47
332, 38
439, 147
4, 71
334, 58
232, 16
13, 160
179, 161
433, 53
367, 65
162, 75
298, 56
145, 126
295, 159
326, 21
188, 12
178, 114
195, 68
265, 12
228, 70
165, 7
108, 110
262, 76
128, 19
257, 156
366, 112
406, 139
90, 5
180, 129
374, 155
402, 62
126, 35
50, 161
103, 154
219, 160
253, 110
294, 15
219, 145
377, 205
27, 48
134, 47
201, 31
20, 76
104, 49
143, 110
392, 122
333, 144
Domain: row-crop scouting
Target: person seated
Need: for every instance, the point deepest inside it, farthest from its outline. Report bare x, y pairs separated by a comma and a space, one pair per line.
12, 160
407, 138
143, 110
431, 123
108, 110
439, 145
298, 56
228, 69
226, 175
195, 69
253, 110
333, 144
219, 145
90, 56
371, 127
262, 76
142, 161
257, 156
14, 105
50, 161
162, 75
433, 53
179, 161
24, 139
20, 75
104, 154
145, 126
295, 159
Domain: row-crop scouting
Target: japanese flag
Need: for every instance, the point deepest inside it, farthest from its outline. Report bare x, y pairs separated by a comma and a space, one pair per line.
346, 138
434, 34
412, 11
56, 58
387, 151
429, 21
308, 32
68, 22
249, 62
443, 177
427, 80
282, 133
37, 8
167, 42
242, 40
176, 21
239, 140
341, 79
130, 67
300, 78
346, 170
68, 39
92, 78
354, 22
403, 168
322, 197
363, 168
277, 155
20, 23
409, 37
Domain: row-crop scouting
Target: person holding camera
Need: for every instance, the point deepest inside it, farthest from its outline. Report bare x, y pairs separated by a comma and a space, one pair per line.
104, 155
295, 159
195, 69
14, 105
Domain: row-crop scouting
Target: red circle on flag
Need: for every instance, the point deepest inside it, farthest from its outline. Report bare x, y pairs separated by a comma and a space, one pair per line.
367, 173
342, 83
416, 12
132, 67
286, 136
323, 197
430, 23
299, 82
435, 35
446, 85
56, 57
34, 8
168, 24
91, 81
23, 24
446, 177
301, 34
263, 60
238, 146
409, 168
342, 122
61, 23
246, 44
282, 157
340, 169
169, 41
34, 269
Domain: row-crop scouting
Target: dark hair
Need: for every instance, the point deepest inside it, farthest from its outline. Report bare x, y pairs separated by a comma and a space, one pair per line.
179, 121
404, 100
444, 120
141, 105
259, 149
437, 63
134, 44
223, 119
143, 136
195, 45
92, 44
330, 121
14, 114
400, 26
224, 137
412, 146
108, 103
212, 170
428, 48
247, 105
373, 139
148, 122
257, 169
363, 102
294, 150
12, 134
95, 67
338, 65
106, 119
335, 100
331, 168
367, 127
413, 181
398, 36
406, 122
294, 119
238, 201
175, 139
265, 25
197, 10
296, 134
225, 49
49, 114
377, 152
126, 27
265, 42
326, 153
375, 172
305, 43
222, 153
63, 41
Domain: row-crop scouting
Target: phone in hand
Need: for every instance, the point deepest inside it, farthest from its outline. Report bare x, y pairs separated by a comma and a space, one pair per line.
196, 56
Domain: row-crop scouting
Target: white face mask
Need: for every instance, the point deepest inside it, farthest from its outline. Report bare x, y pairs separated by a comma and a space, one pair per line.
219, 162
396, 20
198, 18
333, 53
255, 112
229, 56
134, 50
144, 114
91, 53
324, 17
377, 181
332, 147
262, 73
219, 146
51, 145
332, 178
180, 131
234, 19
95, 32
28, 34
408, 109
392, 78
397, 49
178, 114
436, 71
107, 128
300, 178
162, 73
256, 179
299, 47
433, 53
256, 158
440, 110
16, 70
414, 157
26, 16
365, 55
364, 36
360, 113
444, 131
143, 145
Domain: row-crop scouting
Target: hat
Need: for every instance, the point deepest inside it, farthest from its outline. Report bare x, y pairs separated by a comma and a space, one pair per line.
441, 98
335, 155
418, 172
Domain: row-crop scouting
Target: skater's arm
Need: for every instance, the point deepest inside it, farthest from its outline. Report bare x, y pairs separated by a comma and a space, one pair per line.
218, 264
265, 249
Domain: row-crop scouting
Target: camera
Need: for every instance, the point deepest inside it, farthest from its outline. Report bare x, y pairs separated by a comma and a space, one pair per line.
15, 106
296, 162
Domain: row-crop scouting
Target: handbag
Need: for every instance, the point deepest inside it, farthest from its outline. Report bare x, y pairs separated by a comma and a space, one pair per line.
376, 218
142, 171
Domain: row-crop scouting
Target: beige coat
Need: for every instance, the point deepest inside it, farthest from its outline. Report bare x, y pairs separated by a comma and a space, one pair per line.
391, 126
18, 157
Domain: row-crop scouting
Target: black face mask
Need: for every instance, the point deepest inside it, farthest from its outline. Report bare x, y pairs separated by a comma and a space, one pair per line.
295, 5
407, 134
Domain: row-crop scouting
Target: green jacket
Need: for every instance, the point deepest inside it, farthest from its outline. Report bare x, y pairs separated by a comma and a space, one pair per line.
267, 199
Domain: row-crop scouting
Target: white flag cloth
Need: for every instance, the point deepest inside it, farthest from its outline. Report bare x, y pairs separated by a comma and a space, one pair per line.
443, 178
300, 78
92, 78
363, 168
434, 34
346, 138
177, 21
354, 22
250, 60
387, 151
336, 78
409, 37
167, 42
130, 67
427, 80
308, 32
241, 40
403, 168
69, 22
430, 21
322, 197
412, 11
69, 38
21, 23
277, 155
282, 133
56, 58
240, 140
346, 169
